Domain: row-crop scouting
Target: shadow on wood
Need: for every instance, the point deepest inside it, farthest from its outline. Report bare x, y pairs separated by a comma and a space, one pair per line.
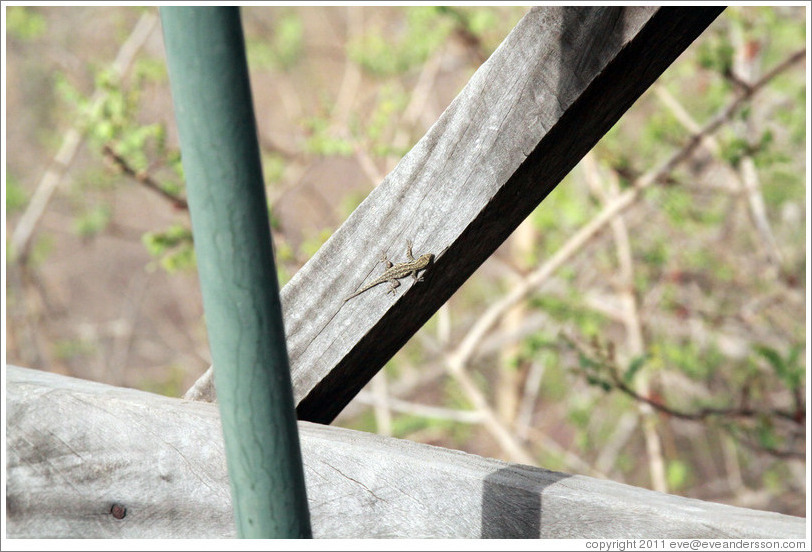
512, 502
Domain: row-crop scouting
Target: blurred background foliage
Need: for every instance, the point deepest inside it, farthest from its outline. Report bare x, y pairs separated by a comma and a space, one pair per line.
667, 352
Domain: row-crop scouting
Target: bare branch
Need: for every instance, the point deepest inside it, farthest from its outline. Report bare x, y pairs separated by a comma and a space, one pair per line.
142, 177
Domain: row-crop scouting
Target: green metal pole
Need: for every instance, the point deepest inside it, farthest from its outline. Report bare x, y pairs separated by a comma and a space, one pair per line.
213, 107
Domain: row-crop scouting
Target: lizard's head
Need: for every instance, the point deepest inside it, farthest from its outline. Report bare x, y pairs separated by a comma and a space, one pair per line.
426, 259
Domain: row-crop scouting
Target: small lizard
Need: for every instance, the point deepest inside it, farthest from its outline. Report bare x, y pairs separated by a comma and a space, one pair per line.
400, 270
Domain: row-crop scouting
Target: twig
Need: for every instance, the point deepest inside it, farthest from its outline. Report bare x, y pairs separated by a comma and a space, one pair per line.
744, 410
495, 427
506, 394
631, 321
684, 118
571, 461
27, 312
615, 443
733, 474
705, 412
750, 185
532, 384
351, 80
416, 107
746, 179
125, 327
606, 362
381, 406
424, 410
778, 453
417, 103
142, 177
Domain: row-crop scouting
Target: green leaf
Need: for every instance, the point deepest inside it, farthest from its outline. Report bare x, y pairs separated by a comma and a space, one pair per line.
288, 40
174, 247
68, 92
42, 249
599, 382
322, 143
634, 366
24, 23
716, 53
314, 242
734, 149
71, 349
677, 474
16, 197
93, 221
282, 48
150, 70
158, 242
383, 53
273, 166
772, 357
183, 258
788, 370
765, 433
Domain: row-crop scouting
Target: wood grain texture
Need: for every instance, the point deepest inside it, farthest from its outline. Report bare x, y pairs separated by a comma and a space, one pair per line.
558, 82
77, 449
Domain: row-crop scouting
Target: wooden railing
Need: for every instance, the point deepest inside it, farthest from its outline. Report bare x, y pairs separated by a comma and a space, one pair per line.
90, 460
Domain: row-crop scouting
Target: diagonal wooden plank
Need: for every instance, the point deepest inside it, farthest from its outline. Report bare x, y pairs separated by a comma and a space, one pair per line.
554, 87
558, 82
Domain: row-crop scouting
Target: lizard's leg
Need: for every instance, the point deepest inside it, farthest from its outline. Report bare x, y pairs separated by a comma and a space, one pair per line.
393, 283
409, 250
415, 276
385, 260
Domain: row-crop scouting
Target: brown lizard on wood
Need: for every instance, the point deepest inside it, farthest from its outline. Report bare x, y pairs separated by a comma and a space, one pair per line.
400, 270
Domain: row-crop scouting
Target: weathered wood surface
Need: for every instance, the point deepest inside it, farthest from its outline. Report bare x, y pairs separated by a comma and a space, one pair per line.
558, 82
76, 449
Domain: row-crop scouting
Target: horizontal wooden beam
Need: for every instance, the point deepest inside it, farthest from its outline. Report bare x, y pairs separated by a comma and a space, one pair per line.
89, 460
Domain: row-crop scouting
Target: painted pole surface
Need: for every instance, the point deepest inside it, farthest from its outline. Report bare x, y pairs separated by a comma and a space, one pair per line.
213, 106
